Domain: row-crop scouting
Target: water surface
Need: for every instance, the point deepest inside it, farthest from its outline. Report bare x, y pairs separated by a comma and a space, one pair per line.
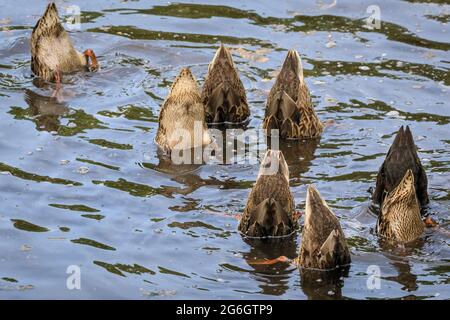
81, 182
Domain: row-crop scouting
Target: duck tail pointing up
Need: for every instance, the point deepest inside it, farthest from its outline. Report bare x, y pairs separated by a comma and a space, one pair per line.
292, 65
268, 219
49, 23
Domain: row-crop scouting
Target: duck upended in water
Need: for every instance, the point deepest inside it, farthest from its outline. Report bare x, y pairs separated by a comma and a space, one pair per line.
400, 217
401, 157
270, 209
52, 51
223, 92
182, 119
289, 107
323, 242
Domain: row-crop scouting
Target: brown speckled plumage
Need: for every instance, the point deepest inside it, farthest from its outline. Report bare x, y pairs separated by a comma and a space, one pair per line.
270, 209
51, 47
323, 244
180, 113
400, 213
401, 156
223, 92
289, 107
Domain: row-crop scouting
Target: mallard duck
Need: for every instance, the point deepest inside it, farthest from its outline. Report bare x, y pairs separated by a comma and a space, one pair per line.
182, 119
323, 244
223, 92
400, 217
401, 156
270, 209
52, 51
289, 107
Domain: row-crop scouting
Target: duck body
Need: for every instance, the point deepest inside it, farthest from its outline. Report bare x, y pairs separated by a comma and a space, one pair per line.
270, 208
223, 93
402, 156
400, 217
289, 106
52, 51
182, 120
323, 244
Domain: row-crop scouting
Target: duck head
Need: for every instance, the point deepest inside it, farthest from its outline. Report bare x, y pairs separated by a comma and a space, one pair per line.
323, 242
400, 212
402, 156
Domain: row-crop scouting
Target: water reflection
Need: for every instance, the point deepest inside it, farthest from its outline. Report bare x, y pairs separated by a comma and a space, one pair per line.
167, 166
184, 174
399, 254
46, 111
299, 156
274, 278
405, 276
188, 175
323, 285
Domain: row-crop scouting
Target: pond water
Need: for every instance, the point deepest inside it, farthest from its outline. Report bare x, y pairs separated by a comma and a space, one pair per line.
81, 182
